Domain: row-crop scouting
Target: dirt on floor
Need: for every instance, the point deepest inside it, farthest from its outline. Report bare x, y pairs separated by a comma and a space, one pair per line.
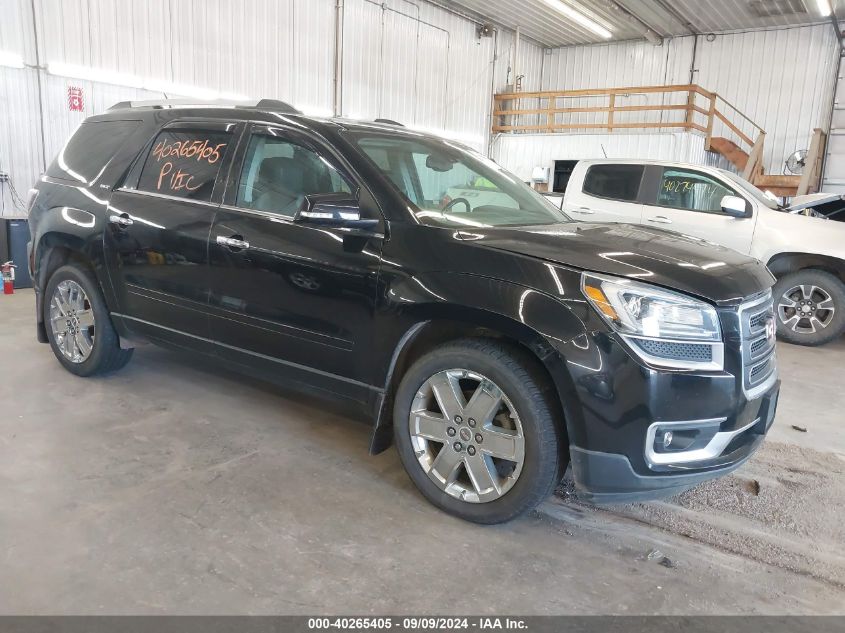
782, 508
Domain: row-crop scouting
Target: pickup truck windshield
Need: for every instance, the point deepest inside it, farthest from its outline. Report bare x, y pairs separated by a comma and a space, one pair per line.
751, 190
449, 185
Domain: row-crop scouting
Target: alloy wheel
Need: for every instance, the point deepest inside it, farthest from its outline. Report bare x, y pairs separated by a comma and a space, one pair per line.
467, 435
806, 308
72, 321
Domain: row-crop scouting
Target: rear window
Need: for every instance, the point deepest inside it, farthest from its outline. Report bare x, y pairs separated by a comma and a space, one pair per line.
89, 150
617, 182
184, 163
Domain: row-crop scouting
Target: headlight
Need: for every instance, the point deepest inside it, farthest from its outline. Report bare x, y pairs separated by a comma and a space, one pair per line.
665, 328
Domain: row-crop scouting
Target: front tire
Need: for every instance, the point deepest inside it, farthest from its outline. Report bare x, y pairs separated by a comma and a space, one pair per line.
475, 428
78, 325
810, 307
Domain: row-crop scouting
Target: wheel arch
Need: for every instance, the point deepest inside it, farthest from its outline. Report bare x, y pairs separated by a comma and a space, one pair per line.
785, 263
442, 324
53, 250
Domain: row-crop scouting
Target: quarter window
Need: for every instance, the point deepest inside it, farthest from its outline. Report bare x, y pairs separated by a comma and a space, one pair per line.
616, 182
89, 150
184, 164
277, 174
691, 190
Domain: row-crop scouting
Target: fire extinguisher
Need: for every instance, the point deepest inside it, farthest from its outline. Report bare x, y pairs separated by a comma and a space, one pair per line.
7, 272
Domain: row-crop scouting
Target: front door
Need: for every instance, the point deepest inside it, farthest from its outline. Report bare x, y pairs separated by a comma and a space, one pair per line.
689, 201
157, 240
295, 299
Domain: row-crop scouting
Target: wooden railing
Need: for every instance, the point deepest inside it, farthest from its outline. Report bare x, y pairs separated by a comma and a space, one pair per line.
609, 109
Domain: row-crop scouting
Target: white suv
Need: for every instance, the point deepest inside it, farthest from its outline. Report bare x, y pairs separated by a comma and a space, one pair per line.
805, 253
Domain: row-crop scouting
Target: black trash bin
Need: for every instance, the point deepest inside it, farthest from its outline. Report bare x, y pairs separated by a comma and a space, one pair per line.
14, 236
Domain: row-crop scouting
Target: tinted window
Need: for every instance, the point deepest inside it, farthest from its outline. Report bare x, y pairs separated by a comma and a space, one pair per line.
617, 182
691, 190
184, 163
277, 174
89, 150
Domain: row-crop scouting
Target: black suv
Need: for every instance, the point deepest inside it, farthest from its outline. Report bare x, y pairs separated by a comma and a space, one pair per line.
490, 337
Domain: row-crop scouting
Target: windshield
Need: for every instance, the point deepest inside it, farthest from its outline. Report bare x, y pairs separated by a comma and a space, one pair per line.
751, 190
449, 185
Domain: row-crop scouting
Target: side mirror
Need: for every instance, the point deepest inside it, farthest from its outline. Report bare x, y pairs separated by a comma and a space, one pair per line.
735, 207
338, 210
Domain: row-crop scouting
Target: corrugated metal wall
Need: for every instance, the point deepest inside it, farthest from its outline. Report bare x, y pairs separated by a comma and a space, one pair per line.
418, 64
20, 145
782, 79
410, 61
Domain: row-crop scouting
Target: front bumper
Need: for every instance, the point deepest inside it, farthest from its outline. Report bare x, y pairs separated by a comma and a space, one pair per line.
605, 477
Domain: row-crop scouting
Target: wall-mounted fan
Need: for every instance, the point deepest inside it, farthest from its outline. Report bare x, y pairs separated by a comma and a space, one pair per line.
795, 163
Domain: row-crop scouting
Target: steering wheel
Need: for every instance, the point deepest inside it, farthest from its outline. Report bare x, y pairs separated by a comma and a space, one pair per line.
455, 201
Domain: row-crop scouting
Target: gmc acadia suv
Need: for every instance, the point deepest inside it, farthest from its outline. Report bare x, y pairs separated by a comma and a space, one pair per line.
493, 344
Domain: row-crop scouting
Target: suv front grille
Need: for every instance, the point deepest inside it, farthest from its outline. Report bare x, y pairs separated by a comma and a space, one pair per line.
757, 326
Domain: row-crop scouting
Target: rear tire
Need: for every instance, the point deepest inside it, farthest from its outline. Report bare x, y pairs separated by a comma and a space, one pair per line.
810, 307
502, 386
78, 324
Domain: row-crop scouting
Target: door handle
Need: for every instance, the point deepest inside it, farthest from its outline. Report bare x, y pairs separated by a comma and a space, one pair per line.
584, 210
121, 220
660, 219
233, 242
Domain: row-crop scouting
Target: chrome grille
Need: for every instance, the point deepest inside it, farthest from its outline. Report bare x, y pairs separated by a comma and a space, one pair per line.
757, 322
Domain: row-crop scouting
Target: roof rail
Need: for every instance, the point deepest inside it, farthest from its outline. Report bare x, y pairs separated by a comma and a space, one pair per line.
175, 103
269, 104
389, 122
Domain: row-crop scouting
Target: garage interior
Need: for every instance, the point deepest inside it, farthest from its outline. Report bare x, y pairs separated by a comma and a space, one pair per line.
176, 487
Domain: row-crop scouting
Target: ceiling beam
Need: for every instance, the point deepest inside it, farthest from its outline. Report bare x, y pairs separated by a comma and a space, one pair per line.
648, 32
838, 31
679, 16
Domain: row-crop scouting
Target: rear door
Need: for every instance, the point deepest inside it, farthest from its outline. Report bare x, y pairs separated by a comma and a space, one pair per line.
290, 298
159, 221
608, 193
689, 201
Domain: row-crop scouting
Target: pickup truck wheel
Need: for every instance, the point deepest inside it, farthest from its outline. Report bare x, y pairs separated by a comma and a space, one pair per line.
78, 325
476, 433
810, 305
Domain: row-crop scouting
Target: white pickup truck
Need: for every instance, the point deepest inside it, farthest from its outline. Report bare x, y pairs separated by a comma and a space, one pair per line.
805, 252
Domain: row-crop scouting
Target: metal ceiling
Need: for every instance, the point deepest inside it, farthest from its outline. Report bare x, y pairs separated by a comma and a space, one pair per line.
543, 24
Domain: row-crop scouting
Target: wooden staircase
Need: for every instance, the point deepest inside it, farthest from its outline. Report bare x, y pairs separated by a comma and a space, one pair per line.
751, 165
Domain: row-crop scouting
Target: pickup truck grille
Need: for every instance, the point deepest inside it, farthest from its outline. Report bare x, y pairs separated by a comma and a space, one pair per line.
757, 331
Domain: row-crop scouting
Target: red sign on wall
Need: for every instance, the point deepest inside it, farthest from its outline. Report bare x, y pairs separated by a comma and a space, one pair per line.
75, 102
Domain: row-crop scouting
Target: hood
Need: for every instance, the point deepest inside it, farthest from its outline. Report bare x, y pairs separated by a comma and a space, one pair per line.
665, 258
802, 203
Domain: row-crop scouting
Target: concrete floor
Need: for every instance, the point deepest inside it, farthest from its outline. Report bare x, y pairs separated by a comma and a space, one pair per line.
175, 487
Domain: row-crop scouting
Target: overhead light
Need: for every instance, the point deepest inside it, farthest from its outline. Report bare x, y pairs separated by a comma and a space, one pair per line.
824, 7
580, 18
12, 60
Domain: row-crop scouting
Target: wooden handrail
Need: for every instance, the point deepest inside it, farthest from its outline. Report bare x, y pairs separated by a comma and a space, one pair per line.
507, 110
587, 92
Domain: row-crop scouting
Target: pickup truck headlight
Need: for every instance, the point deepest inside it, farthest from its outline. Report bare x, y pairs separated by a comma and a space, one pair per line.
664, 328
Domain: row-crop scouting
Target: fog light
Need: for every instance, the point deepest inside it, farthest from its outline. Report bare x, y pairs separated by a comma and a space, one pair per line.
667, 439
